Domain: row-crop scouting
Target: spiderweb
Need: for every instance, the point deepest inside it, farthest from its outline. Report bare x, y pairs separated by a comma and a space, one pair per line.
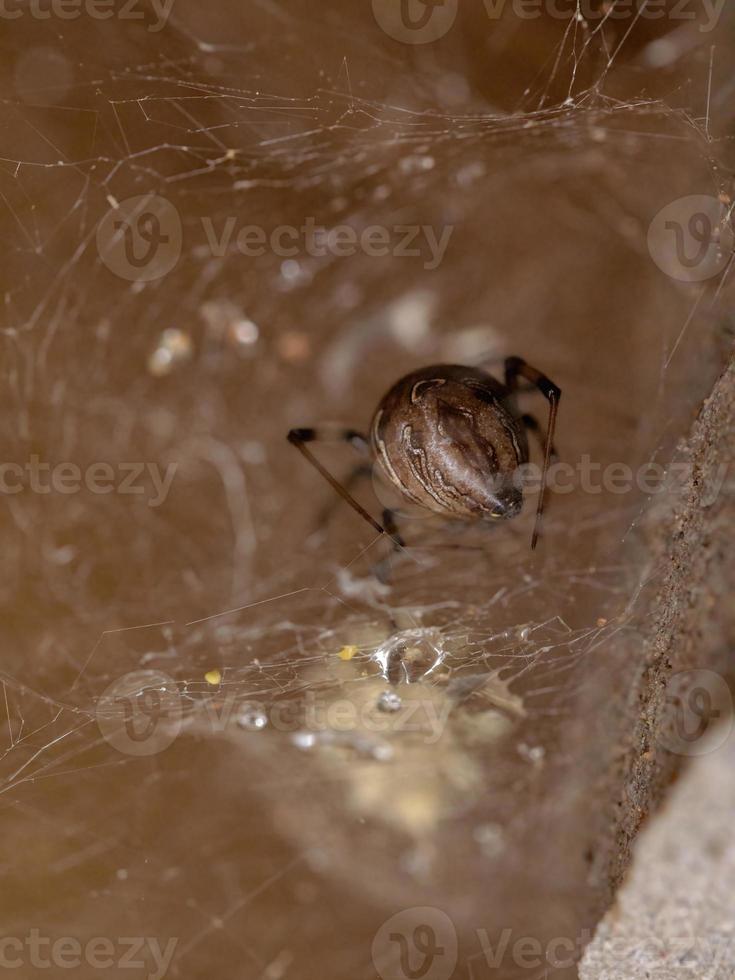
219, 724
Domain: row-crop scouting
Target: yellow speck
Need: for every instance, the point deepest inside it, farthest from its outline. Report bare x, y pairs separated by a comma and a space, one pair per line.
347, 653
213, 677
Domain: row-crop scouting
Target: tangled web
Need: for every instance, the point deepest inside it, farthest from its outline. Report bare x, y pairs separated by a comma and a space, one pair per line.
221, 619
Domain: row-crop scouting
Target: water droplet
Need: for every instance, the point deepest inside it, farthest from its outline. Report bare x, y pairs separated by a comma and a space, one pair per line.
410, 655
252, 719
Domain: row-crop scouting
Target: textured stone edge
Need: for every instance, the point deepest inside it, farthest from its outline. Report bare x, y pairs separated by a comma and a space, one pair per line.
674, 915
689, 626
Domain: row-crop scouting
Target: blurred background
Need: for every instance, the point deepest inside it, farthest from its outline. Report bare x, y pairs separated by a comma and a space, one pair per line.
546, 180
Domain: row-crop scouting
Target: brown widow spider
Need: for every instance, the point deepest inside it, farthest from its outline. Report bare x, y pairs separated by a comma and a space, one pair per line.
450, 439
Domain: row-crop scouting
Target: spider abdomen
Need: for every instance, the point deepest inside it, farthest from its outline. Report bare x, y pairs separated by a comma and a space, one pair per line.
447, 438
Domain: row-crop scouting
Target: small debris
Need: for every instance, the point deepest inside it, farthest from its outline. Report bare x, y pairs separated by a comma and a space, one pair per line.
213, 677
389, 702
532, 753
304, 740
347, 653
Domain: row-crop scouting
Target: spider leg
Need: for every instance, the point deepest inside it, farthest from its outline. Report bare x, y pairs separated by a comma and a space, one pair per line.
382, 569
515, 368
300, 439
389, 522
331, 433
356, 474
532, 424
489, 362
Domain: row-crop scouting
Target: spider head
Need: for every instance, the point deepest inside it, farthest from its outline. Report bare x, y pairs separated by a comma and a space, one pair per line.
506, 502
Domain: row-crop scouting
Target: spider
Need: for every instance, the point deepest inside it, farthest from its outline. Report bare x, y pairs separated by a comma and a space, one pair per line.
450, 439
